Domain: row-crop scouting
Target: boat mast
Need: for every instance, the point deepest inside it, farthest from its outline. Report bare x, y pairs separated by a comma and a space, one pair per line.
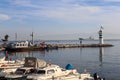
32, 38
15, 36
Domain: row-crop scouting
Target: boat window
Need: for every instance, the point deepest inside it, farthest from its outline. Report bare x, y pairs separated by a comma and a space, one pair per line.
20, 71
17, 45
41, 71
50, 71
14, 44
20, 44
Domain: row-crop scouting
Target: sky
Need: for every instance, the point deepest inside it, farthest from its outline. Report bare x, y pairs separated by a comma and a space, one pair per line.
59, 19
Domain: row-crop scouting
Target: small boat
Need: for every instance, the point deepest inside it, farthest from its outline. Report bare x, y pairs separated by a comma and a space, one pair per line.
30, 66
20, 74
8, 67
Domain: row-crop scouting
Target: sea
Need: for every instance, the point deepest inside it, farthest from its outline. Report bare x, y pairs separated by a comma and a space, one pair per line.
104, 61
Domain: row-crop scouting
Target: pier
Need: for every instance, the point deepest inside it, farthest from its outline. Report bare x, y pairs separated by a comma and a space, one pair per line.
51, 46
55, 46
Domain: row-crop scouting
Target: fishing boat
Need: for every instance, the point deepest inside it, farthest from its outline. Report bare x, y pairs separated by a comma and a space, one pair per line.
24, 46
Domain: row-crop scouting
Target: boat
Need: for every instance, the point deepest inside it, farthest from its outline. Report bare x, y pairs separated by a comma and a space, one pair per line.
8, 67
55, 72
30, 66
20, 74
23, 46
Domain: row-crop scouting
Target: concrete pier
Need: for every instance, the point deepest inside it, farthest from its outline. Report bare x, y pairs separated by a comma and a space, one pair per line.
56, 46
77, 45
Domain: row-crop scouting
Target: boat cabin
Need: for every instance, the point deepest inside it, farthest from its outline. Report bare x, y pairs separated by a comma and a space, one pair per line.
24, 70
53, 70
23, 44
48, 72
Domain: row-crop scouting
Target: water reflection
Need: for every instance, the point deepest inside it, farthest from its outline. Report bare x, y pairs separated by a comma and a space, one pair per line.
101, 53
21, 55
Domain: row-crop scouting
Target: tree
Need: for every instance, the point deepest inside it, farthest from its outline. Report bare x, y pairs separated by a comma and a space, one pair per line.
5, 38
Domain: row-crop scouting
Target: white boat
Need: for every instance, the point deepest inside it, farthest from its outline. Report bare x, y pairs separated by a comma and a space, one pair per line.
55, 72
20, 74
8, 67
29, 67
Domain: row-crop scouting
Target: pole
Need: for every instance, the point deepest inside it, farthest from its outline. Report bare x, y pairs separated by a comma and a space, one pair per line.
32, 38
15, 36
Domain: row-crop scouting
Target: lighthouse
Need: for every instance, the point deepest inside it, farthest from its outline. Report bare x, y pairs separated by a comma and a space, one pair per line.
101, 36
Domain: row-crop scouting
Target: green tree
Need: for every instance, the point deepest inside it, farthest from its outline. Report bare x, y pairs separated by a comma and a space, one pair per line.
5, 38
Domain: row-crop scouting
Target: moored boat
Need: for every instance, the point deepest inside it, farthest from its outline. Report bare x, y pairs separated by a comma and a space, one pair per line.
23, 46
30, 66
8, 67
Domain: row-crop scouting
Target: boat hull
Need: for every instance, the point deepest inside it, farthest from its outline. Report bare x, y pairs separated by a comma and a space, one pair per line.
24, 49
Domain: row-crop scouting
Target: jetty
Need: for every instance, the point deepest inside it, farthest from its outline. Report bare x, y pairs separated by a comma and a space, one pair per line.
23, 46
100, 44
56, 46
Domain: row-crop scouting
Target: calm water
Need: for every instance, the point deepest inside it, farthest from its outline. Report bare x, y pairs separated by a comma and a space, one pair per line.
104, 61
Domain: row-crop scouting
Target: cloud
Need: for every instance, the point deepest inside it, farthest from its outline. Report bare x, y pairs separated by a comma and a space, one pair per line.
112, 0
4, 17
24, 3
71, 13
68, 1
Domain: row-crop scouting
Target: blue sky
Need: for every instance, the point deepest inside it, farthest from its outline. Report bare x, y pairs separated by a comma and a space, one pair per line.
59, 19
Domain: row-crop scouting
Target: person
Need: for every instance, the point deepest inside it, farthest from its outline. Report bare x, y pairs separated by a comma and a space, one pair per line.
95, 76
99, 78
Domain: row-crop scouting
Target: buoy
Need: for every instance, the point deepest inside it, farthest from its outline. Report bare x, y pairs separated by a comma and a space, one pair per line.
69, 66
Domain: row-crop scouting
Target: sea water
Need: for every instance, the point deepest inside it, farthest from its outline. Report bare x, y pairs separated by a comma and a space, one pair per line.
105, 61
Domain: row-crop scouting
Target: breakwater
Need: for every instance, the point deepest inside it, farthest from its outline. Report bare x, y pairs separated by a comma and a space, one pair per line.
54, 46
50, 46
